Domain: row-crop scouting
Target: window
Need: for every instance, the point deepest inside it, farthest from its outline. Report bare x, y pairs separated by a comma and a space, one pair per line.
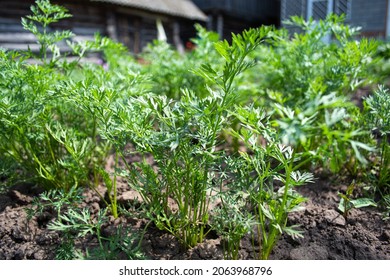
319, 9
292, 8
343, 7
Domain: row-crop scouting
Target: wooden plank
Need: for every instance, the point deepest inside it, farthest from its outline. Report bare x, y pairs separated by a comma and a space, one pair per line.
33, 47
17, 37
20, 47
83, 38
82, 31
11, 28
8, 20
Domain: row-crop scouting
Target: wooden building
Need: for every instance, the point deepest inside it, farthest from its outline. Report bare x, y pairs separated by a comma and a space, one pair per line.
227, 16
131, 22
372, 16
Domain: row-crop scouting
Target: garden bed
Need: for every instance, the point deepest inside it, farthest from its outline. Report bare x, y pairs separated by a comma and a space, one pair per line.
255, 149
327, 235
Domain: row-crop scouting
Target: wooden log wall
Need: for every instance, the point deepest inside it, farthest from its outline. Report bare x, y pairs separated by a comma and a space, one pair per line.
12, 34
86, 21
134, 28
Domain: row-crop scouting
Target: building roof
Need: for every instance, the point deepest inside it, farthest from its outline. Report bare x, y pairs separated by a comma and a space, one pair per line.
180, 8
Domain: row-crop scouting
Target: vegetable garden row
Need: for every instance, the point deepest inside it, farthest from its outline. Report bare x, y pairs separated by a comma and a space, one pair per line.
224, 134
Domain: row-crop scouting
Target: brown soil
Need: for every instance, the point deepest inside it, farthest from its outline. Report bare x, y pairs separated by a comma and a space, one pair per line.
327, 235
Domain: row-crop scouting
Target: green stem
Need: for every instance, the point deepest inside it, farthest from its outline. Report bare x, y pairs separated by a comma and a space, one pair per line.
226, 86
114, 207
281, 214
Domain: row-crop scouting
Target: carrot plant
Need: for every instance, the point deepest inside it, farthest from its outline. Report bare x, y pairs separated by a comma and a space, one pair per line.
274, 175
232, 217
44, 14
54, 110
284, 102
97, 99
57, 201
183, 136
79, 223
377, 118
34, 134
28, 115
170, 71
309, 84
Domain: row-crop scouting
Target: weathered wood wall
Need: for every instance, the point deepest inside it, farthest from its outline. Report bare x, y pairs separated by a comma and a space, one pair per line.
86, 21
134, 28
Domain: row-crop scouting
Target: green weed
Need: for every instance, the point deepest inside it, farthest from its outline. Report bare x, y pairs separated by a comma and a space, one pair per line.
347, 202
